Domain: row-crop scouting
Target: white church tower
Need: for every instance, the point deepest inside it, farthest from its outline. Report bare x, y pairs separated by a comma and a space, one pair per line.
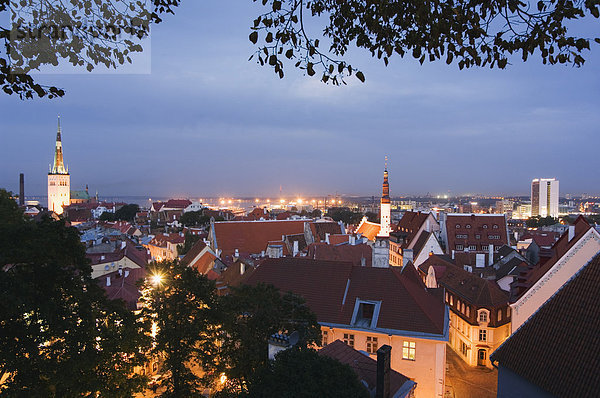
59, 180
386, 206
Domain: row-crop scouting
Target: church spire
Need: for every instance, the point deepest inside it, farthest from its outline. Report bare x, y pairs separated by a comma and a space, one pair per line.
58, 167
385, 197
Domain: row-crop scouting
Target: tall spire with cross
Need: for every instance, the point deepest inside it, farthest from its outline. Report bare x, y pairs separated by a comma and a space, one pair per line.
58, 167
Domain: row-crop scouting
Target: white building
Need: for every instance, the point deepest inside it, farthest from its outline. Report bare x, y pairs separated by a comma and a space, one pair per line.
544, 197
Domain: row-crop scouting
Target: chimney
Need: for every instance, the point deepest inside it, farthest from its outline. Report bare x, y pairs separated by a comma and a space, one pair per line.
123, 244
382, 388
236, 254
571, 232
126, 273
407, 256
21, 189
363, 262
327, 237
295, 250
428, 226
108, 281
242, 268
491, 254
352, 240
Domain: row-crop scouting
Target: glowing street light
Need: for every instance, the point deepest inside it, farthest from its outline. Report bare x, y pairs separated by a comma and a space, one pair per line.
156, 279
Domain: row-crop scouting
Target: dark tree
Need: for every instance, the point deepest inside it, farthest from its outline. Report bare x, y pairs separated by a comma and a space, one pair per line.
194, 219
306, 374
59, 334
181, 302
190, 240
107, 216
373, 217
127, 212
476, 33
537, 221
250, 315
344, 214
39, 33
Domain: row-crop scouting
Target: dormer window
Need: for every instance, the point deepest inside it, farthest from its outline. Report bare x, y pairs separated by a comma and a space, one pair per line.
485, 226
366, 313
495, 226
468, 226
483, 316
457, 226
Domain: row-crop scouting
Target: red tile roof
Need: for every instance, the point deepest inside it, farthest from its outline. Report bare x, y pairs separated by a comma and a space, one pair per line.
252, 236
331, 290
559, 249
542, 238
366, 367
161, 240
320, 229
558, 348
139, 257
368, 229
345, 252
410, 223
123, 287
339, 238
479, 229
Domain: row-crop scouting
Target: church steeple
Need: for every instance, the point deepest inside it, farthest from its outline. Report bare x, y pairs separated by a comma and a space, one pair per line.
58, 167
385, 197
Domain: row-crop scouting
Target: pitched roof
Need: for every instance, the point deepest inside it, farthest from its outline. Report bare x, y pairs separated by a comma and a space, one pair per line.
123, 286
344, 252
410, 223
161, 240
479, 229
233, 276
366, 368
139, 257
339, 238
332, 288
368, 229
320, 229
420, 243
252, 236
558, 348
559, 249
473, 289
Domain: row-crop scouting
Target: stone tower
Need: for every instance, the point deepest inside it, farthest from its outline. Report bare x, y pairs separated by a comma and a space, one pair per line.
386, 206
59, 180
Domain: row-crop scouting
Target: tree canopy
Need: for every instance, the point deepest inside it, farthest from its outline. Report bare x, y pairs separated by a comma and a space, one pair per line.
468, 34
475, 33
59, 336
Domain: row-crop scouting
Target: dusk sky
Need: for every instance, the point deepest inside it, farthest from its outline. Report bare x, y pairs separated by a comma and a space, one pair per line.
206, 122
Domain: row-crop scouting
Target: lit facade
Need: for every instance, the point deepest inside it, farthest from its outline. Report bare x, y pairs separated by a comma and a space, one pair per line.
59, 180
544, 197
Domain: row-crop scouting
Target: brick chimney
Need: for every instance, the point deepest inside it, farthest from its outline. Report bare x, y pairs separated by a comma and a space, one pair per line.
384, 357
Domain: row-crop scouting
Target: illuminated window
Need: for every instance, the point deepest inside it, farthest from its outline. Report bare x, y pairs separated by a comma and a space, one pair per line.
349, 339
499, 315
371, 345
408, 350
462, 308
483, 316
464, 348
446, 296
324, 337
507, 312
468, 311
451, 300
482, 335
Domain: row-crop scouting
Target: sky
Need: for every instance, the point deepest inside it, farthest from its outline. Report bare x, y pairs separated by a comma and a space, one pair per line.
207, 122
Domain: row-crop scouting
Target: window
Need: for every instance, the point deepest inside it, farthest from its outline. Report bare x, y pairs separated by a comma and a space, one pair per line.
451, 300
457, 226
459, 236
484, 226
464, 348
462, 308
371, 345
482, 335
473, 247
483, 316
349, 339
364, 314
408, 350
477, 236
446, 296
507, 312
468, 226
324, 337
499, 315
495, 226
459, 247
468, 311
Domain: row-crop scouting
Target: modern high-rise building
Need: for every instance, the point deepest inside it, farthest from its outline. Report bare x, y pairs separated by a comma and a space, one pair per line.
544, 197
59, 180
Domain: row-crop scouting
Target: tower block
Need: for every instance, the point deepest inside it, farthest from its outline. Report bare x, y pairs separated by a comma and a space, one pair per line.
59, 180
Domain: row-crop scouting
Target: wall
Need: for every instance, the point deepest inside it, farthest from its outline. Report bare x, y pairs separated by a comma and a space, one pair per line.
578, 256
59, 192
428, 368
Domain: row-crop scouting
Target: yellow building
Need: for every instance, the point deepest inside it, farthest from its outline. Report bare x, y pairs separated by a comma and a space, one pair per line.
59, 180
